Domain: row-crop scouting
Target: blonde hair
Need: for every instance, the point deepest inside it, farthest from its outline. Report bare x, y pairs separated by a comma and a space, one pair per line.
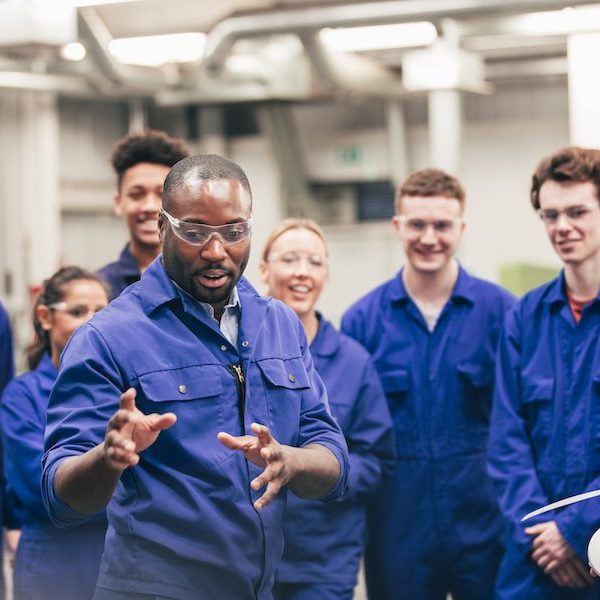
289, 225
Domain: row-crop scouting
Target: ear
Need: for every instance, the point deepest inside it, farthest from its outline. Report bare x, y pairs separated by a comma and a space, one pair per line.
161, 225
118, 205
397, 225
264, 271
44, 315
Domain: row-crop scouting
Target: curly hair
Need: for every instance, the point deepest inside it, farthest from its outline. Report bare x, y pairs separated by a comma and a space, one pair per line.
429, 183
568, 165
152, 146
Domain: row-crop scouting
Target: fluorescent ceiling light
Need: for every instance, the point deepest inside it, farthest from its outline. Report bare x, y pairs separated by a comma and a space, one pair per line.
557, 22
380, 37
77, 3
157, 50
73, 51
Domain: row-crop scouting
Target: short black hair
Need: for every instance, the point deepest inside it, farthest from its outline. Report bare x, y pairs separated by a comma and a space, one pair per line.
152, 146
211, 167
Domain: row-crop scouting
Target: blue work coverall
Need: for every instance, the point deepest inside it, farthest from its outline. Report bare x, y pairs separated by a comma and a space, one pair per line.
324, 542
121, 273
50, 563
7, 371
545, 436
182, 523
434, 527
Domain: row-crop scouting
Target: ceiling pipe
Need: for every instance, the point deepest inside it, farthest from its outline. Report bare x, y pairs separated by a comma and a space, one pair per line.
222, 37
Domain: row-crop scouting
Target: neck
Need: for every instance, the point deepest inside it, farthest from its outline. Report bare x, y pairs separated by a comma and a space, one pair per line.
311, 325
435, 287
583, 280
55, 356
143, 254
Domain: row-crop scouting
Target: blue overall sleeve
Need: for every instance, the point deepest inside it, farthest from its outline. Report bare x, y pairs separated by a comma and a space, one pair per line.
370, 438
315, 412
23, 435
510, 461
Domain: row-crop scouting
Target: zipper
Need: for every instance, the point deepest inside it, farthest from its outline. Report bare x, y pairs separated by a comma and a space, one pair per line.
238, 374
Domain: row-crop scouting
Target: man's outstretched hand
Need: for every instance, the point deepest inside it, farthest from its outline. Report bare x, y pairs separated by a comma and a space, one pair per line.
130, 431
278, 461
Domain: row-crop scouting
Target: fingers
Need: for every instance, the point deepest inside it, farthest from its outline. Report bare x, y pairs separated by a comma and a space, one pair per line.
127, 400
120, 451
242, 442
273, 488
158, 422
536, 529
262, 433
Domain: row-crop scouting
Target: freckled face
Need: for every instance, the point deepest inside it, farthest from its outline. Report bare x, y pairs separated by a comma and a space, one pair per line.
296, 269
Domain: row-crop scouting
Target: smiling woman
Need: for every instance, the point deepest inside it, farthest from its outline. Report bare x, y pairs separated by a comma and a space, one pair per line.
323, 558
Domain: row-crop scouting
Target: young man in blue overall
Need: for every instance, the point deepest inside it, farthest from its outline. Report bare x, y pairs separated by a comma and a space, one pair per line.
189, 405
432, 330
545, 436
141, 163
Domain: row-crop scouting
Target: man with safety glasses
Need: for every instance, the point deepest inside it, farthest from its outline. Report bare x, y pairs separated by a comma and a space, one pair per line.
545, 437
434, 528
220, 410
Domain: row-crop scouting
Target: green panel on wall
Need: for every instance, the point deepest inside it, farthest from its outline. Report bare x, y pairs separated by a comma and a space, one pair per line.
522, 277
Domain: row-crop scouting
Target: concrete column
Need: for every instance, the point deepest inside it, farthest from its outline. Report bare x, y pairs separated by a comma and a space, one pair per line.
445, 130
29, 198
584, 89
212, 130
397, 142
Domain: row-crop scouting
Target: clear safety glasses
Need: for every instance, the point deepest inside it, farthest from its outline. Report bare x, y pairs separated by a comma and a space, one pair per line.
573, 214
198, 234
441, 227
76, 311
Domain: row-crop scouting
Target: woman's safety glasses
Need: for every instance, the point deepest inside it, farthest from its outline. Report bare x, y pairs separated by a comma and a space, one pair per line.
199, 234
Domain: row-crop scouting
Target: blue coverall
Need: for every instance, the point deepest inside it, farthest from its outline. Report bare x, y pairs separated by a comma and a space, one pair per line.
50, 563
545, 436
324, 542
121, 273
182, 522
434, 527
7, 371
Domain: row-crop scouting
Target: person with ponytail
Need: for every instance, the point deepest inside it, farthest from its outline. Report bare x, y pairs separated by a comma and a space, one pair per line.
50, 563
324, 542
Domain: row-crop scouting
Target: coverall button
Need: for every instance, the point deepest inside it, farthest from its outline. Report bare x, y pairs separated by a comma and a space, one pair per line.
182, 389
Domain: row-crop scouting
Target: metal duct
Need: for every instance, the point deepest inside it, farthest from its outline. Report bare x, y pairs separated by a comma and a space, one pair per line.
304, 20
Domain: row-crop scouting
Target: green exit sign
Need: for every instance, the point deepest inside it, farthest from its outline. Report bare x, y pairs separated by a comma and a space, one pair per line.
350, 155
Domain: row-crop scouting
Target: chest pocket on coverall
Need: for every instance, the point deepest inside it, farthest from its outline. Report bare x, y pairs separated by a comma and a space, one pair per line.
478, 379
285, 381
537, 407
195, 395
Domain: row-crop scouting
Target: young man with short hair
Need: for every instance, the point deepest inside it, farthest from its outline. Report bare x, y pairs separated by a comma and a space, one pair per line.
434, 527
545, 435
141, 162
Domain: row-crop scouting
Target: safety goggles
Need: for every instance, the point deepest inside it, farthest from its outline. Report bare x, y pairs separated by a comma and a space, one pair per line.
198, 234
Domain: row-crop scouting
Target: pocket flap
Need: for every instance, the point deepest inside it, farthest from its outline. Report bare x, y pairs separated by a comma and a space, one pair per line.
538, 389
395, 381
287, 373
186, 383
479, 374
